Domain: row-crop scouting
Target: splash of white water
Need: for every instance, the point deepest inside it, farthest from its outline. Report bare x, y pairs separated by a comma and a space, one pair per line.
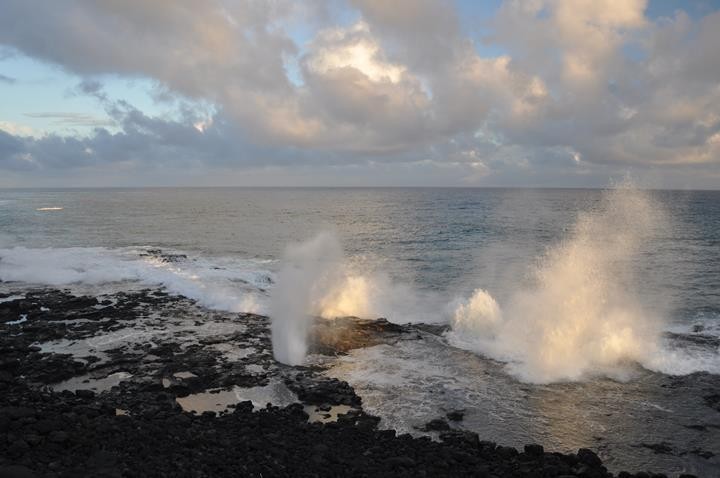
308, 268
372, 294
230, 284
480, 316
317, 281
581, 317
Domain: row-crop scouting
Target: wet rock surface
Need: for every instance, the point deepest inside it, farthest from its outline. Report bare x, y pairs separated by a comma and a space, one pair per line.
456, 415
713, 401
90, 387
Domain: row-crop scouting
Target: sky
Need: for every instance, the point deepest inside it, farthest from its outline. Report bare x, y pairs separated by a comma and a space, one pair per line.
519, 93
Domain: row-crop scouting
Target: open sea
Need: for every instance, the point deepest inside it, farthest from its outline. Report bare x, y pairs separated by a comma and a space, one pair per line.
575, 318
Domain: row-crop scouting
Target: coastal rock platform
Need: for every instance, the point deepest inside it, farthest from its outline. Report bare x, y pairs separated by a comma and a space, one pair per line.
141, 383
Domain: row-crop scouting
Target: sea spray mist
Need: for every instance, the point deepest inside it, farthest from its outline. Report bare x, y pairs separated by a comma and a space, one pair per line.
307, 269
582, 316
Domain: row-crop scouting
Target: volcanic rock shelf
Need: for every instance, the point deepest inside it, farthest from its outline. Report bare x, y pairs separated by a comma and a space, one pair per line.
94, 387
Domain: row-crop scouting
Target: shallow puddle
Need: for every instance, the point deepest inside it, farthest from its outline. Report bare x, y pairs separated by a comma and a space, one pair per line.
233, 353
183, 375
315, 414
85, 382
219, 400
176, 378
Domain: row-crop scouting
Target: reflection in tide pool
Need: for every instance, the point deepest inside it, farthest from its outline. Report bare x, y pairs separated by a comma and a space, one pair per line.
275, 393
86, 382
219, 400
326, 414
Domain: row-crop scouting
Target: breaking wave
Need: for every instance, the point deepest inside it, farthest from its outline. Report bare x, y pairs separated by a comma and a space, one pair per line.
223, 283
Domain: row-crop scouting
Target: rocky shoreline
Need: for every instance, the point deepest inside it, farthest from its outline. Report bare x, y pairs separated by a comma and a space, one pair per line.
141, 383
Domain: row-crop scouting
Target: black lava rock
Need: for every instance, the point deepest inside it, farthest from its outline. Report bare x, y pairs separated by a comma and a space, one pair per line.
85, 393
437, 424
16, 471
456, 415
588, 457
534, 450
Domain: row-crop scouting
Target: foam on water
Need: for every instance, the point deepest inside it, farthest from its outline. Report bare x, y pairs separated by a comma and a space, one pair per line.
701, 324
11, 298
220, 283
152, 330
416, 380
22, 319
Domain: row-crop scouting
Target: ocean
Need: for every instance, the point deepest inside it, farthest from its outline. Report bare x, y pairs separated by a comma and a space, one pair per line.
573, 317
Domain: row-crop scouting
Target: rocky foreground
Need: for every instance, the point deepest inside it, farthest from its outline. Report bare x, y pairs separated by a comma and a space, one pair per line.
118, 386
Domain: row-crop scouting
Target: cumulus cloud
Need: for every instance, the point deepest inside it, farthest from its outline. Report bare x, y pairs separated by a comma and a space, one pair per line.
16, 129
582, 89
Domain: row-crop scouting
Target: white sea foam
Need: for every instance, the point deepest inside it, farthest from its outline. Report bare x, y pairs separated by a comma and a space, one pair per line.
674, 360
152, 330
11, 298
708, 325
22, 319
225, 284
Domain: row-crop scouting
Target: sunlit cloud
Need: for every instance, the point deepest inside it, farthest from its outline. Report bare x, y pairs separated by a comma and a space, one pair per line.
16, 129
353, 48
580, 89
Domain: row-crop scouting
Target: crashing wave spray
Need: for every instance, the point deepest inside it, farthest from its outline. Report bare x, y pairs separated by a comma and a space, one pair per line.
317, 281
372, 294
581, 317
